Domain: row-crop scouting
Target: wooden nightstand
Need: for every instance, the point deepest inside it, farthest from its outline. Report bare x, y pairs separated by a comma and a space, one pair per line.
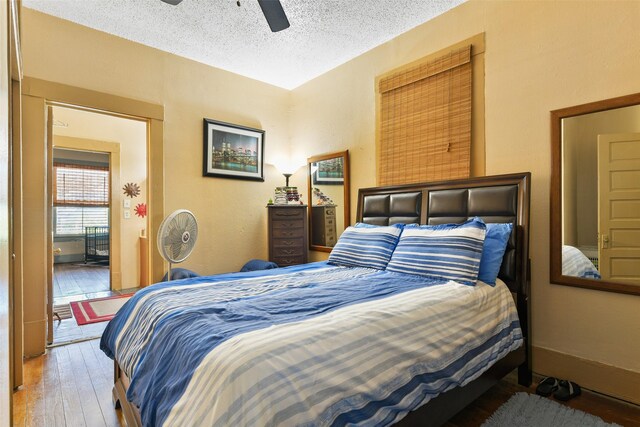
288, 234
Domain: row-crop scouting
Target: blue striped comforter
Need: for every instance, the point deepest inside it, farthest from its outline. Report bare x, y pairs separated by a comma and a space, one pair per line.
305, 345
575, 263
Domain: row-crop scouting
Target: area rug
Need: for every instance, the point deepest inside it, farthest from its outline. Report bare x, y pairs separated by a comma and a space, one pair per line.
99, 309
530, 410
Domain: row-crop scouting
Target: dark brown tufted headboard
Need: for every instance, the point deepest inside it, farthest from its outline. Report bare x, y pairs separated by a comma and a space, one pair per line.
503, 198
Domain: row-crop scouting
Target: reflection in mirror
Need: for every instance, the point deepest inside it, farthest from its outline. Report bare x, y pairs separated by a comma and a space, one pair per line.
328, 199
596, 196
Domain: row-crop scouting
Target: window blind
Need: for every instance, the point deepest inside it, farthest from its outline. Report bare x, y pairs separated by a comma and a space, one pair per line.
425, 121
80, 185
72, 220
80, 198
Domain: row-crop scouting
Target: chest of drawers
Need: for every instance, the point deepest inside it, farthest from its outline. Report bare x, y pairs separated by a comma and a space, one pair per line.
288, 234
323, 223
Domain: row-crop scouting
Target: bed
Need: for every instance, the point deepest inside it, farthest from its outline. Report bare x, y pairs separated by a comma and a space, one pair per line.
96, 244
575, 263
325, 344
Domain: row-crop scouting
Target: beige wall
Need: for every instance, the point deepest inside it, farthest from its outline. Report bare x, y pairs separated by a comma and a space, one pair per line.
231, 213
540, 56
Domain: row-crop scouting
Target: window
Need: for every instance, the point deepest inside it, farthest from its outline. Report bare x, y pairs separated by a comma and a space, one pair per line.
426, 121
428, 114
81, 197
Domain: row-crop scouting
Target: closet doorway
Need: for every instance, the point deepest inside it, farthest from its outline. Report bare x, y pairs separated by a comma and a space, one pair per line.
95, 225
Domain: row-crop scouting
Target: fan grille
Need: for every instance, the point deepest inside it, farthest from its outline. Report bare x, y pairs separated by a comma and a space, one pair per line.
177, 236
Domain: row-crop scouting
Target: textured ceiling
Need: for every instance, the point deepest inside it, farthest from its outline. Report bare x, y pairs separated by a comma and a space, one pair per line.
323, 33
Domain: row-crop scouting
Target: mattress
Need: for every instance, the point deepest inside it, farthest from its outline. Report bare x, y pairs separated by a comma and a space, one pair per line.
307, 345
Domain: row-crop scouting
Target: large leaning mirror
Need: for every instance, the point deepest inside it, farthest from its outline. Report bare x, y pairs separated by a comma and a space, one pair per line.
328, 192
595, 195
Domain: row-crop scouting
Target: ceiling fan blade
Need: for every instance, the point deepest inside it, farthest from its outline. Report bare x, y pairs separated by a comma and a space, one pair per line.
274, 13
172, 2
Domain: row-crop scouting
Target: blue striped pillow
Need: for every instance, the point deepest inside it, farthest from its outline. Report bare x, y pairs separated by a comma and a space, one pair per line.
447, 251
363, 246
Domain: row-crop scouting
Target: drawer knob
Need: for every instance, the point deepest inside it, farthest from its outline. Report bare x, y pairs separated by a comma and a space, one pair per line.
287, 213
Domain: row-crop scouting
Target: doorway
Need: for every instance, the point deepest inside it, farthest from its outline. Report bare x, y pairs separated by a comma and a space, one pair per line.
94, 225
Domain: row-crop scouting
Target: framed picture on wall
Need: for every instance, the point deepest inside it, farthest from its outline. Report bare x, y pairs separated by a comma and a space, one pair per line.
328, 172
233, 151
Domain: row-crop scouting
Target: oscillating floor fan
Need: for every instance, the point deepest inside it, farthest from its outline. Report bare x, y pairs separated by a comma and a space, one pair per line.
177, 236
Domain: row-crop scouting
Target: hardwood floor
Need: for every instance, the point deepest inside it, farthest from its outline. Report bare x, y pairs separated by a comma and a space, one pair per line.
609, 409
68, 330
77, 282
71, 386
78, 278
68, 386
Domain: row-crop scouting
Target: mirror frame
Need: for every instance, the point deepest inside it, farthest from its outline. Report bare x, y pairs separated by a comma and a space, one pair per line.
346, 188
556, 276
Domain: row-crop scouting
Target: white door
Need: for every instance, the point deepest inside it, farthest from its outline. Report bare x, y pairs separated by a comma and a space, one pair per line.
619, 207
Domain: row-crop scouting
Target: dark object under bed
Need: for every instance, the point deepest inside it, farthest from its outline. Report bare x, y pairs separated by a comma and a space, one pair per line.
96, 244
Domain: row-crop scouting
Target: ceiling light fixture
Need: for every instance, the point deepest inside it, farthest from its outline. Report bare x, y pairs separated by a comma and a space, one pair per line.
272, 10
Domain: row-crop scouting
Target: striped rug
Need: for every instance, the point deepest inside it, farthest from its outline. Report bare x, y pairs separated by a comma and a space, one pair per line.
98, 309
63, 311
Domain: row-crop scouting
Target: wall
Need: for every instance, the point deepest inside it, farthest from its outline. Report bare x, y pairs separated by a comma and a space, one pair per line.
230, 212
540, 56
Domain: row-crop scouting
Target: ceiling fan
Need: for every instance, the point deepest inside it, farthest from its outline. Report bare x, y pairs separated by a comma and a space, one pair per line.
272, 10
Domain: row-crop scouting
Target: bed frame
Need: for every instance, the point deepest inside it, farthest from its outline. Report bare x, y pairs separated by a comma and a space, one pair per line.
502, 198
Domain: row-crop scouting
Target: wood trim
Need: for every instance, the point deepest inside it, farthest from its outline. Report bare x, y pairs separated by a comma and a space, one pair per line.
34, 224
15, 237
49, 213
606, 379
347, 193
555, 253
155, 193
15, 49
90, 99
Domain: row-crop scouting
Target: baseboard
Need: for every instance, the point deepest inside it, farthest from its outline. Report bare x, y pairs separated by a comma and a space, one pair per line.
62, 259
606, 379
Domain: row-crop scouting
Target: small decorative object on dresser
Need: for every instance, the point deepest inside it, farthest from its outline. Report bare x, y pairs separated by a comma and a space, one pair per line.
323, 218
288, 234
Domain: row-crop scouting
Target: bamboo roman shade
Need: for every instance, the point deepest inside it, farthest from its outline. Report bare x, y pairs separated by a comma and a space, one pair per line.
80, 185
425, 121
